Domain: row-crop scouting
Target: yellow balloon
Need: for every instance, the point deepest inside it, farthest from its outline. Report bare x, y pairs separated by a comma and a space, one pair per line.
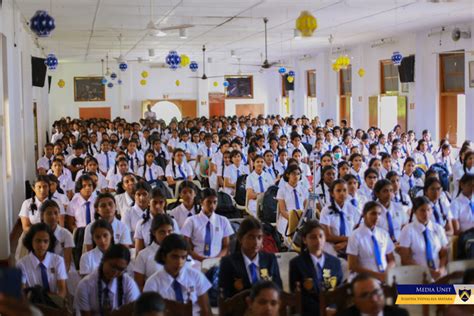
335, 67
177, 82
361, 72
216, 83
185, 60
306, 23
143, 82
61, 83
290, 79
144, 74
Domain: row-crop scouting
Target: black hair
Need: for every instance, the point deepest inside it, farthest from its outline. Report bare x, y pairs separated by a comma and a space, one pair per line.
418, 202
208, 192
155, 193
149, 151
40, 178
360, 278
263, 285
79, 183
102, 223
99, 197
142, 185
248, 224
348, 177
158, 221
466, 156
170, 243
34, 229
333, 206
289, 170
369, 171
47, 204
173, 167
380, 184
465, 179
147, 303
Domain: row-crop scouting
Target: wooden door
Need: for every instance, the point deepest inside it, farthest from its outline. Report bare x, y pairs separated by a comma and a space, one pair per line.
95, 112
402, 112
448, 111
373, 111
345, 109
249, 109
216, 104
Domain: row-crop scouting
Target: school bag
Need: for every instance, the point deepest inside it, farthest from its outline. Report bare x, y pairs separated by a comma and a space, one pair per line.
213, 293
443, 175
163, 188
160, 160
272, 242
79, 242
233, 242
225, 206
268, 210
466, 245
240, 190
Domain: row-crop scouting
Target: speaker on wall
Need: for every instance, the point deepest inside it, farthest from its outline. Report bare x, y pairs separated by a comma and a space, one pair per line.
406, 70
38, 71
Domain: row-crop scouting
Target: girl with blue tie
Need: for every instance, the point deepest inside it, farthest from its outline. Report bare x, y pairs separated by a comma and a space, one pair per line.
178, 169
467, 167
463, 205
408, 180
370, 249
354, 196
150, 171
233, 172
328, 175
441, 208
422, 241
444, 157
177, 281
343, 168
257, 183
398, 195
102, 237
269, 166
422, 154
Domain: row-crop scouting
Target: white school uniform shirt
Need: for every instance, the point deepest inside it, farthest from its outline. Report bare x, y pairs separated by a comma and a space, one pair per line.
61, 199
443, 207
412, 237
305, 169
193, 284
102, 160
217, 158
31, 271
405, 182
309, 139
461, 210
366, 192
87, 296
124, 202
90, 261
64, 239
185, 168
195, 229
397, 165
420, 158
156, 171
101, 181
137, 161
173, 142
332, 219
34, 216
77, 209
55, 137
254, 184
121, 233
458, 172
272, 171
399, 218
142, 230
203, 150
131, 217
286, 193
360, 244
65, 180
323, 197
359, 174
291, 148
180, 213
113, 178
447, 161
386, 148
44, 162
71, 157
231, 173
280, 167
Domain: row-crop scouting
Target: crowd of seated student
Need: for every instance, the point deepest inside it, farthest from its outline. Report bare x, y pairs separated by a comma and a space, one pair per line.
104, 182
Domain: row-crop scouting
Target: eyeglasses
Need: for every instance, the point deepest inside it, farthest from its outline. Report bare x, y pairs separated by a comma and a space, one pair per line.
367, 295
117, 269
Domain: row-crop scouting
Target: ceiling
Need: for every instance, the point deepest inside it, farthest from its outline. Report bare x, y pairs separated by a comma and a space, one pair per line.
86, 30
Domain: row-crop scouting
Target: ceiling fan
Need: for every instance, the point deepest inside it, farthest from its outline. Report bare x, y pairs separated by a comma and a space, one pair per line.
266, 64
204, 77
153, 29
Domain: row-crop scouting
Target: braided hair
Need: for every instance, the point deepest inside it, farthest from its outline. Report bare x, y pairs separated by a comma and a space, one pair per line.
155, 193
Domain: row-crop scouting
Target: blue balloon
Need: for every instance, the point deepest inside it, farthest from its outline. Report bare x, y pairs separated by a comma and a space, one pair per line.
226, 83
282, 70
110, 85
193, 66
51, 61
291, 73
42, 24
119, 81
113, 76
104, 81
123, 66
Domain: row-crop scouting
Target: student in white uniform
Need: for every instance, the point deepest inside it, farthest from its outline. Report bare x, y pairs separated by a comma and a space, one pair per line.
178, 169
150, 171
42, 266
367, 187
29, 212
466, 168
44, 163
398, 195
49, 211
217, 161
441, 208
59, 197
408, 180
370, 249
462, 206
354, 197
108, 287
80, 211
393, 216
338, 218
386, 160
105, 208
357, 167
105, 157
422, 156
328, 175
207, 232
257, 183
115, 174
126, 199
142, 230
270, 165
290, 196
177, 281
142, 200
188, 207
326, 160
343, 168
423, 242
135, 158
233, 172
102, 236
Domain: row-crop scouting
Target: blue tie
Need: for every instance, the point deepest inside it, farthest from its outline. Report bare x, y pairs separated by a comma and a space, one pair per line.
297, 201
436, 214
131, 164
208, 152
319, 274
391, 231
330, 147
238, 173
472, 207
378, 255
358, 178
426, 160
207, 240
253, 273
410, 182
429, 250
88, 212
354, 202
107, 160
342, 224
181, 172
178, 292
150, 173
396, 199
260, 183
44, 276
50, 163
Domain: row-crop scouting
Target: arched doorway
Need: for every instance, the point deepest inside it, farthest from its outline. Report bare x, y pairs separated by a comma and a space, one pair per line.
166, 111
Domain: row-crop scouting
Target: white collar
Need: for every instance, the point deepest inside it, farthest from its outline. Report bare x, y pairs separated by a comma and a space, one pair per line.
248, 261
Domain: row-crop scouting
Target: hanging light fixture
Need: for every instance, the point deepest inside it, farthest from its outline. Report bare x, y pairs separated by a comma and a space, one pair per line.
183, 33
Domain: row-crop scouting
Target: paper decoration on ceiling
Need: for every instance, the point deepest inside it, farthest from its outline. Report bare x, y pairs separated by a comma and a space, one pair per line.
110, 85
61, 83
123, 66
343, 61
306, 23
216, 84
173, 60
290, 79
104, 81
282, 70
291, 73
226, 83
143, 82
193, 66
113, 76
51, 61
177, 82
361, 72
184, 60
119, 81
42, 24
397, 58
144, 74
335, 67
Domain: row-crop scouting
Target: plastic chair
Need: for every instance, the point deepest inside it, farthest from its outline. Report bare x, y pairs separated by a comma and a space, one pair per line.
412, 274
283, 259
207, 264
460, 265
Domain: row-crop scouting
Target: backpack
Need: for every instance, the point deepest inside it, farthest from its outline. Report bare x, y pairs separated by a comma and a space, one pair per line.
162, 187
233, 238
443, 174
268, 210
466, 245
240, 190
213, 276
271, 239
79, 242
225, 206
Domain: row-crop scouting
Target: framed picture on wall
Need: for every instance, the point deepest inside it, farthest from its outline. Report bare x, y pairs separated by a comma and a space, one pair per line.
88, 89
240, 87
471, 74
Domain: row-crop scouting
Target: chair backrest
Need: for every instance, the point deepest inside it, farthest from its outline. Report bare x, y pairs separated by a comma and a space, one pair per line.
283, 259
412, 274
460, 265
176, 188
290, 303
178, 309
209, 263
235, 305
124, 310
293, 220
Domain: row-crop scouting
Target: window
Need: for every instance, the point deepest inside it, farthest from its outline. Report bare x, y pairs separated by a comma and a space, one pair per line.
452, 72
389, 77
311, 83
345, 81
